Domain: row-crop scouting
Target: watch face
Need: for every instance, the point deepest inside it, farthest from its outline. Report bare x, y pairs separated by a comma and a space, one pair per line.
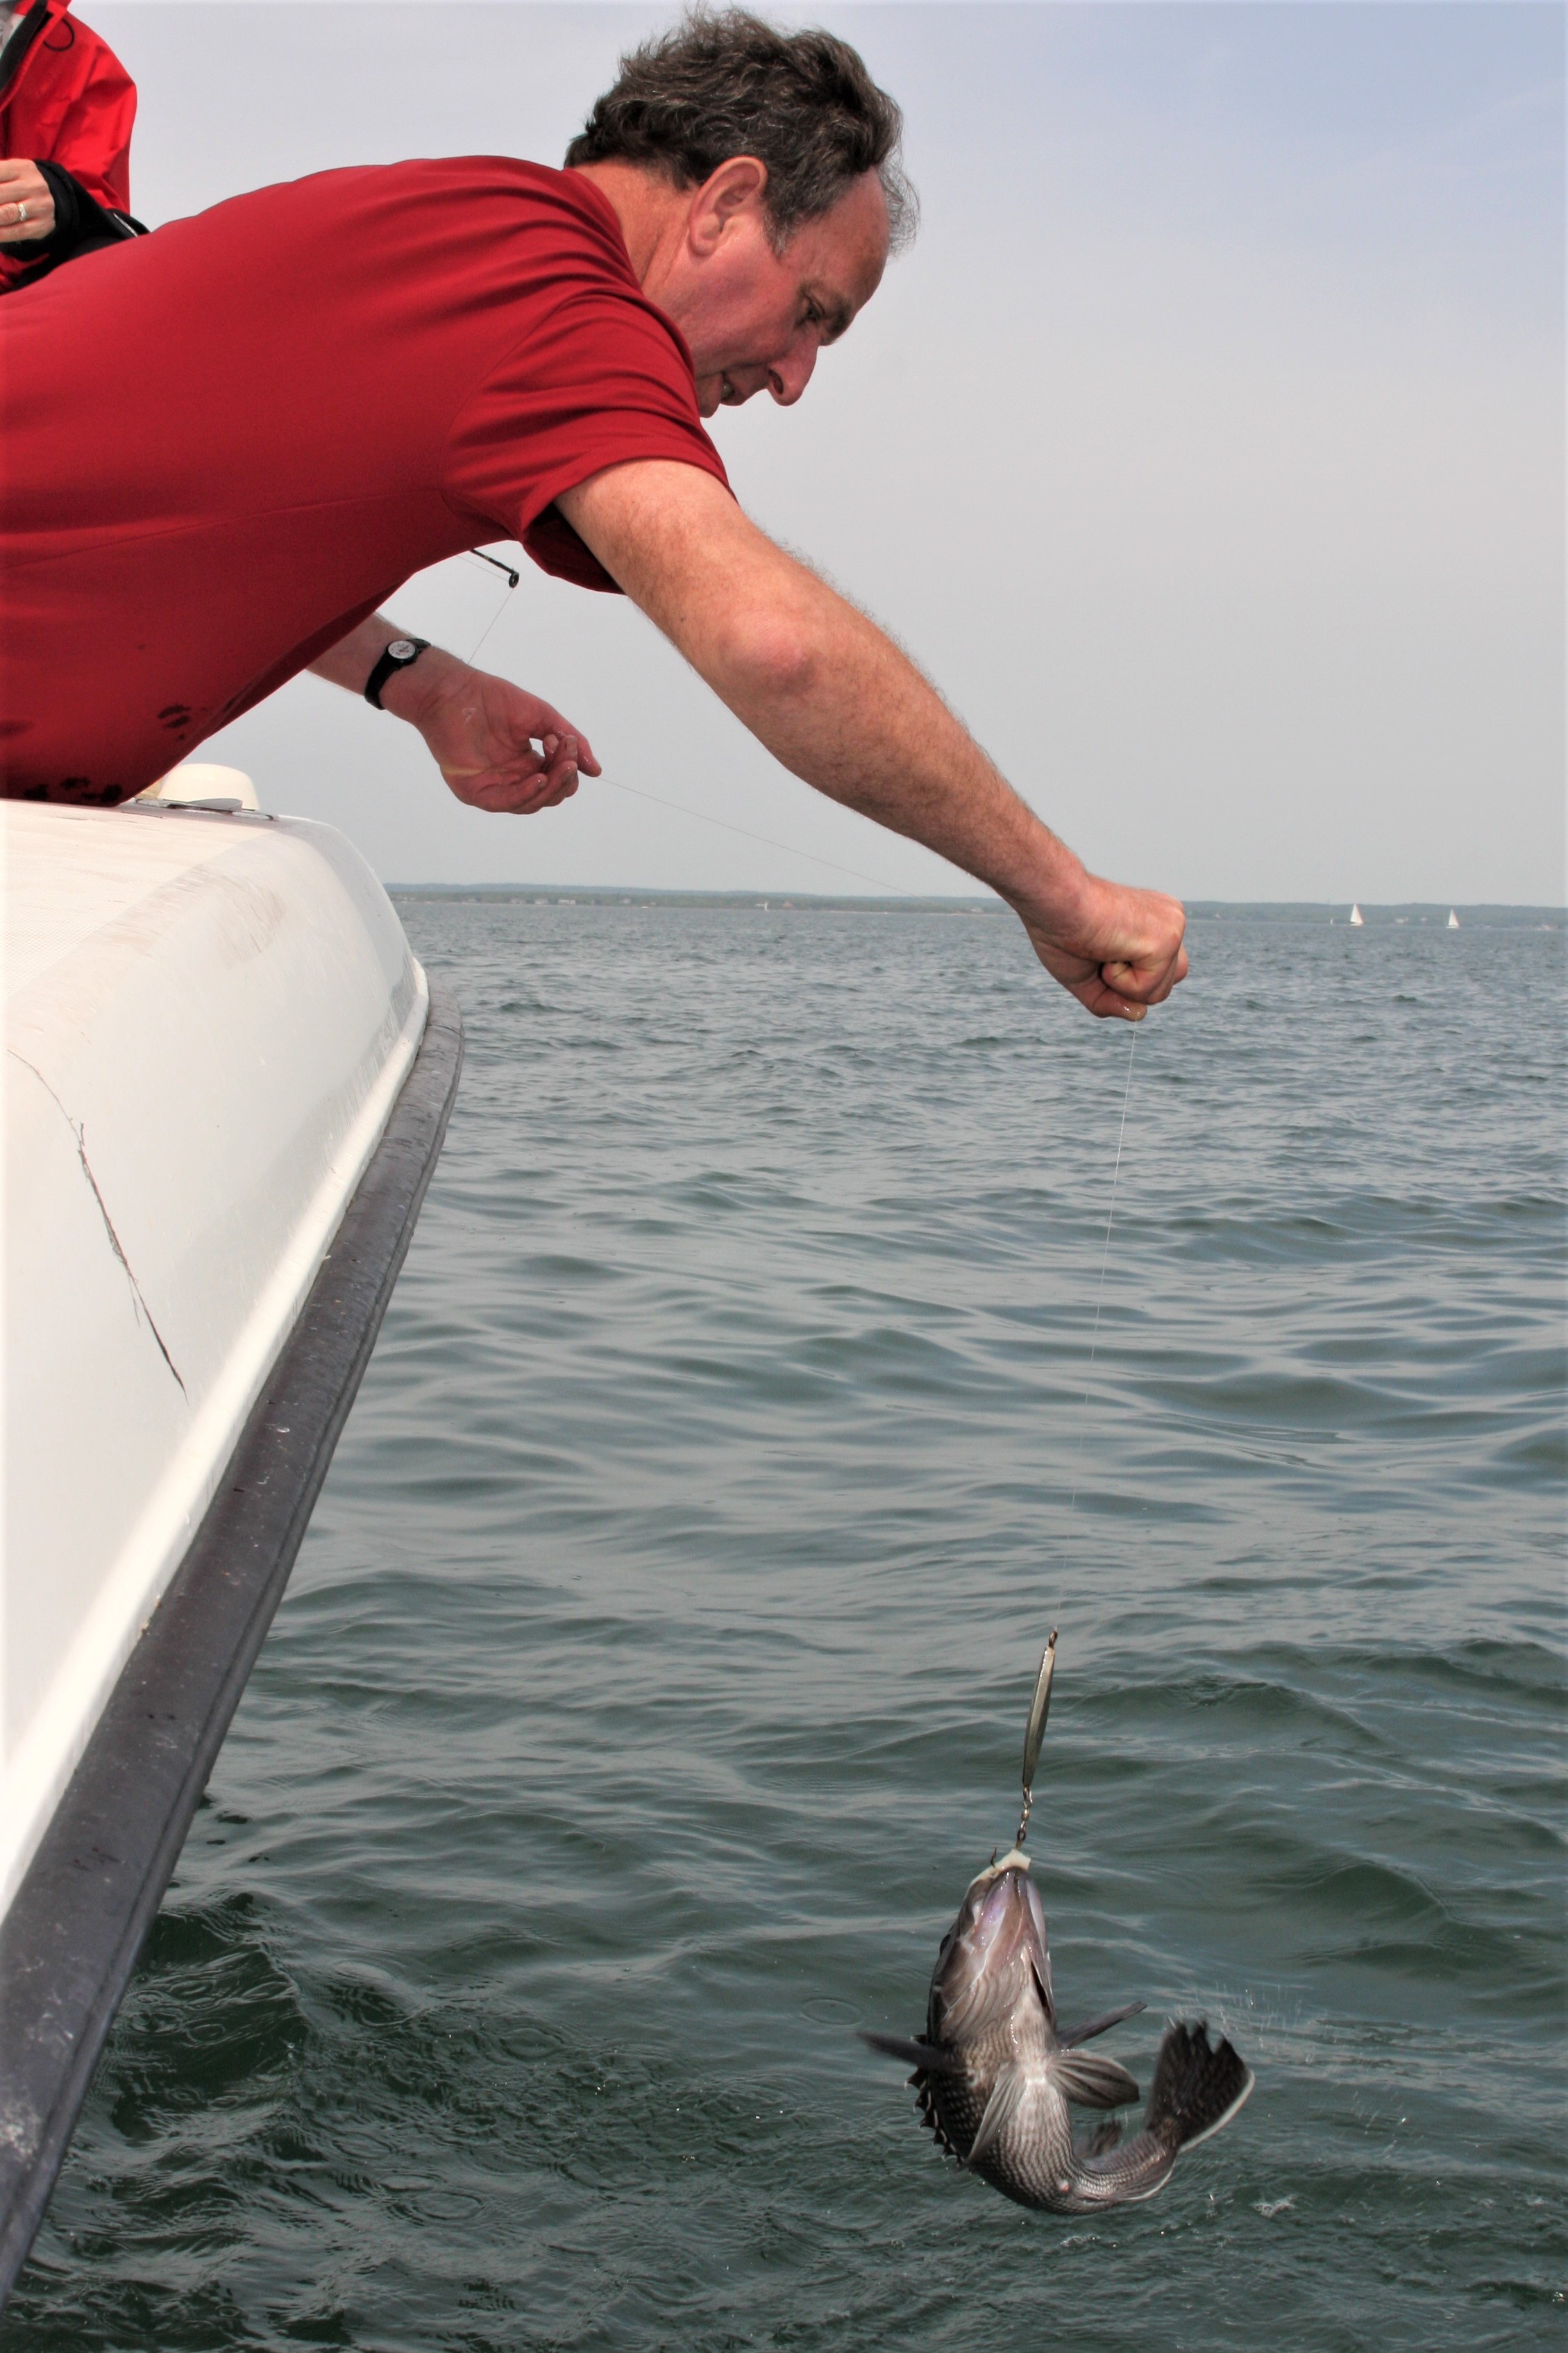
403, 649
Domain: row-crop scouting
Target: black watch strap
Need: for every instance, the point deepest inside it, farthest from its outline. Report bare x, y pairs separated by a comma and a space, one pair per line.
391, 659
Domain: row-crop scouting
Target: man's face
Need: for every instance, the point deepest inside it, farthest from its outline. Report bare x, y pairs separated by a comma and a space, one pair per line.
754, 319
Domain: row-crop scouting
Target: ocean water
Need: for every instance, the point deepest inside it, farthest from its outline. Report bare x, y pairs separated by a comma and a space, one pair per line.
654, 1674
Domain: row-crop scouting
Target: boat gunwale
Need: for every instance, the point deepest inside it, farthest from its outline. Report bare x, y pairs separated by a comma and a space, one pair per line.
70, 1939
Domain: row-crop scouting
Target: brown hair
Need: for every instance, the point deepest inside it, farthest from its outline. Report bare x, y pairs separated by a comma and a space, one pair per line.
723, 83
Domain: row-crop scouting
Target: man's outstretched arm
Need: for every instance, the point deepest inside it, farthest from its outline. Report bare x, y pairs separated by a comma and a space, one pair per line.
480, 729
842, 708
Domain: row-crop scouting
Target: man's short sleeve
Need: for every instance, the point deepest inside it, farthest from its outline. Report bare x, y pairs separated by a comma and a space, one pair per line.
598, 378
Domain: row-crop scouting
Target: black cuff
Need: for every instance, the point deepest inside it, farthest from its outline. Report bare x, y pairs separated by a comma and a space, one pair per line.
81, 224
69, 197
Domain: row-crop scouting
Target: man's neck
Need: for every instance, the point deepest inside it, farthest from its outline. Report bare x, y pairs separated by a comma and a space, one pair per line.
650, 211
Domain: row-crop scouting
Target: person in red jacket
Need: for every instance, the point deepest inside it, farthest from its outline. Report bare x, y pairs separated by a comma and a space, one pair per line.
66, 105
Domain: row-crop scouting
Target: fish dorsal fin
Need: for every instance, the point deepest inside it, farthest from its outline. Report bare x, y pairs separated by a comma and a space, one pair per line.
1007, 2098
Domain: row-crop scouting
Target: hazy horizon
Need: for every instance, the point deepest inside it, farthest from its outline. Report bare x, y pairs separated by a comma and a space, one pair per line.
1205, 450
1481, 913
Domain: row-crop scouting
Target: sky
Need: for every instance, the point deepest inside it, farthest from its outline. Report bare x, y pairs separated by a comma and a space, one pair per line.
1205, 450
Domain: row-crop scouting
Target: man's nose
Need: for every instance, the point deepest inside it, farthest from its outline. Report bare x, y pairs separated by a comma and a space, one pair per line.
788, 376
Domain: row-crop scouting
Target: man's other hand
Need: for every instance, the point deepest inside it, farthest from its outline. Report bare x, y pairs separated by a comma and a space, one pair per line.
27, 206
498, 747
1117, 950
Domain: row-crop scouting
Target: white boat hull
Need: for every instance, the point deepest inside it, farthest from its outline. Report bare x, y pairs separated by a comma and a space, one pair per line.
208, 1019
227, 1088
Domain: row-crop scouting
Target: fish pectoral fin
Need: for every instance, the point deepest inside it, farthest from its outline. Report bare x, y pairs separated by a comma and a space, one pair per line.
1006, 2099
1090, 2082
927, 2056
1077, 2034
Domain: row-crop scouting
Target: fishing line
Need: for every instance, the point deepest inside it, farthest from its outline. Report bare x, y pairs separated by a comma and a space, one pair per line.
725, 825
831, 865
1042, 1700
511, 580
1104, 1263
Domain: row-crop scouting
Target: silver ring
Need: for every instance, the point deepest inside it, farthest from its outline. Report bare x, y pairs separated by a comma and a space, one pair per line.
21, 214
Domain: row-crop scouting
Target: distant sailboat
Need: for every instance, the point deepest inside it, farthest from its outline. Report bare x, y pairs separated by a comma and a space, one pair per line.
1453, 920
1356, 915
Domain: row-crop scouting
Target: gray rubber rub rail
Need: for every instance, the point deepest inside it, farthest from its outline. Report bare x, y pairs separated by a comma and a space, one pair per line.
69, 1942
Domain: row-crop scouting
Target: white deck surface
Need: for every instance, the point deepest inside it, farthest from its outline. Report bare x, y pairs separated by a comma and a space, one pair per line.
208, 1020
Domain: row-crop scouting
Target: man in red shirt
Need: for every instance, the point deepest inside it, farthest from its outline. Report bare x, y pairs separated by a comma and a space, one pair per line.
228, 444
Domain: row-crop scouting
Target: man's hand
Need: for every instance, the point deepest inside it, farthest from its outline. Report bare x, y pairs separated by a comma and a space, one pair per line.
27, 206
1117, 951
481, 730
838, 704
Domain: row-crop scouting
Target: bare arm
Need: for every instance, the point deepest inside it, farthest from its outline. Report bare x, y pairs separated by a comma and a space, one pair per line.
481, 730
840, 706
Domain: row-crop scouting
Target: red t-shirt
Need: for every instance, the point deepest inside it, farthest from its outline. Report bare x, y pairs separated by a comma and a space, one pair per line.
224, 444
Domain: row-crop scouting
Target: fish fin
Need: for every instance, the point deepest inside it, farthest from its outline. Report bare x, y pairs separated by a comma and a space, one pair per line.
924, 2055
1124, 2174
1043, 1979
1077, 2034
1197, 2087
1007, 2098
929, 2117
1092, 2083
1100, 2141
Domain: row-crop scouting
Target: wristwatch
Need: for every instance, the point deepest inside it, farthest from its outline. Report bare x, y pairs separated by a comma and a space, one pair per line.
389, 662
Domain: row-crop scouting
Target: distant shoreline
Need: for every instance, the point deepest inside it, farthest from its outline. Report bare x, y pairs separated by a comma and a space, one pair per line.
1410, 912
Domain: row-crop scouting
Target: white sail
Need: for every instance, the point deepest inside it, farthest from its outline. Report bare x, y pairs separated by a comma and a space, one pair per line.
1356, 915
1453, 920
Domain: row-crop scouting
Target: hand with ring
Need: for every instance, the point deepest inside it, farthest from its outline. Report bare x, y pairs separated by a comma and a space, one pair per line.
27, 206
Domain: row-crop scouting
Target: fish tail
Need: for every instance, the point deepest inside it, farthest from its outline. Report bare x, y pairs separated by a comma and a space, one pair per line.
1197, 2087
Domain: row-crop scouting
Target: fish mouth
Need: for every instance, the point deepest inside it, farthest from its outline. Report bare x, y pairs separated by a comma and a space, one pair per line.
1000, 1914
994, 1950
1015, 1861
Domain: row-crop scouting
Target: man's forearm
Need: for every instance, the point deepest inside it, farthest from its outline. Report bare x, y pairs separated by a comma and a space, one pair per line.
836, 701
829, 695
846, 710
350, 662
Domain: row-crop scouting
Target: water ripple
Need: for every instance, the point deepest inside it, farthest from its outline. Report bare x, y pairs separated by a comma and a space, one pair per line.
652, 1677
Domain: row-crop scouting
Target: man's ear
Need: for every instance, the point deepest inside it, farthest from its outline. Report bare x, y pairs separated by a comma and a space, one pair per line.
725, 197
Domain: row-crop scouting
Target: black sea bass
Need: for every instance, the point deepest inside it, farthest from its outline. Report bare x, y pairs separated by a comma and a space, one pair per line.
996, 2079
